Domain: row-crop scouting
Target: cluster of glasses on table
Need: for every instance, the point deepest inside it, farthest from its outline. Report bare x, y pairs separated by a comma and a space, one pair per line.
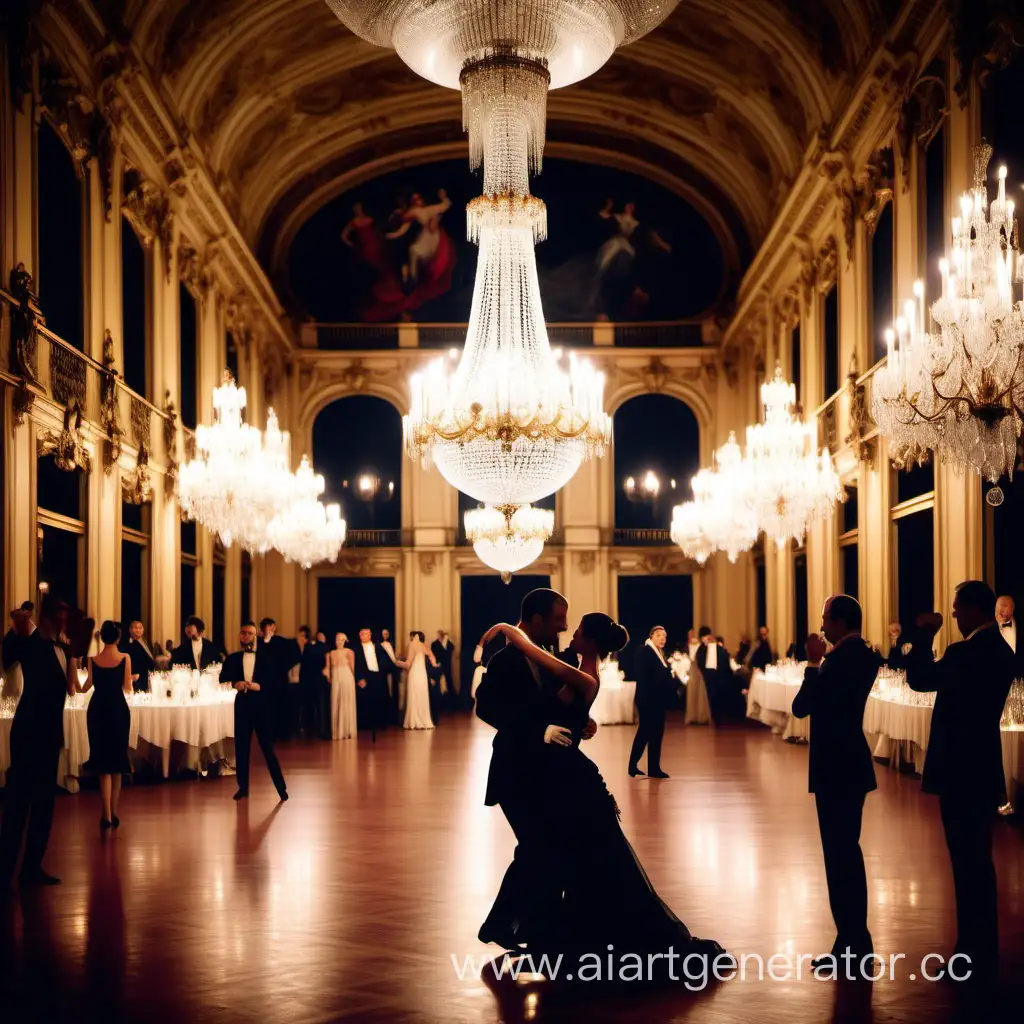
786, 671
175, 687
891, 685
679, 663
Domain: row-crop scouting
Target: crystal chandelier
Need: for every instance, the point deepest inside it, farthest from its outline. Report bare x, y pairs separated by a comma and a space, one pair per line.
790, 482
722, 497
306, 531
509, 425
689, 531
233, 484
508, 538
959, 390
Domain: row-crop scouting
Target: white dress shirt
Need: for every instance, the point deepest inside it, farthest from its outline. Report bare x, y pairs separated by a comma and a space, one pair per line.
370, 654
1009, 633
248, 665
197, 651
712, 662
658, 651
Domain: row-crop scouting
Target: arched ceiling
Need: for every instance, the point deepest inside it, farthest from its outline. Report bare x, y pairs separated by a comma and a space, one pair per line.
290, 109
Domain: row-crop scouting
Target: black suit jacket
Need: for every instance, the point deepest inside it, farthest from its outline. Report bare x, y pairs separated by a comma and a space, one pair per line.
971, 682
834, 695
654, 682
510, 700
210, 653
723, 661
142, 663
38, 726
264, 673
385, 665
761, 656
443, 653
311, 662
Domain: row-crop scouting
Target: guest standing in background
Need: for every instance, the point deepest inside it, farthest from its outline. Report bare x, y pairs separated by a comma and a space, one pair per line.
654, 689
1005, 609
284, 655
197, 651
311, 685
109, 720
797, 651
372, 666
692, 644
142, 658
965, 764
892, 659
841, 771
9, 662
393, 679
37, 736
723, 694
761, 654
246, 670
340, 669
417, 685
443, 650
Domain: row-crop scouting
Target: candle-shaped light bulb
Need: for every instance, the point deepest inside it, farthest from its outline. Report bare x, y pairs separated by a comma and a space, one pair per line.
965, 206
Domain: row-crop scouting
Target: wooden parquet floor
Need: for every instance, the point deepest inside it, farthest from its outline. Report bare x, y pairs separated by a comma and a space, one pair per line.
348, 902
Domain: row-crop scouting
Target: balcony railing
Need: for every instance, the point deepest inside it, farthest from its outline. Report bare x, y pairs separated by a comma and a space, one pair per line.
655, 334
377, 538
641, 538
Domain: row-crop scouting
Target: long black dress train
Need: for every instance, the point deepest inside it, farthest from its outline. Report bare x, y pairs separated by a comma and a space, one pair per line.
607, 898
109, 722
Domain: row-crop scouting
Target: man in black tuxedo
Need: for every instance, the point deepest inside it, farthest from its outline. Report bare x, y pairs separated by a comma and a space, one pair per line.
841, 772
246, 670
37, 736
653, 693
964, 765
11, 668
444, 650
133, 643
311, 682
522, 704
761, 654
197, 651
285, 655
393, 678
724, 698
373, 665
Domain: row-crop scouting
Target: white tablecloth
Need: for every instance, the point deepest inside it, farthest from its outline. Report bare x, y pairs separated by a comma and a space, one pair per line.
771, 701
897, 731
201, 729
614, 705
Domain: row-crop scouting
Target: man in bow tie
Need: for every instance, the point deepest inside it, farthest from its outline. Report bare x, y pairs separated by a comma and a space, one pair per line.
1005, 608
372, 668
135, 646
248, 670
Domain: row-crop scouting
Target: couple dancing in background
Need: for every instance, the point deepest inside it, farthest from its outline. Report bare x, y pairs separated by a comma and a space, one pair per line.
575, 884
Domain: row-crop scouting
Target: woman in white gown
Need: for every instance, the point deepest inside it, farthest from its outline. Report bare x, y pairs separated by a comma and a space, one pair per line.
417, 685
340, 670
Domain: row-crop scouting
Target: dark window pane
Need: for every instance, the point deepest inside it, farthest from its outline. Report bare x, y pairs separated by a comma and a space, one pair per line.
133, 581
59, 567
188, 336
60, 276
645, 601
800, 596
848, 564
761, 576
935, 214
218, 605
188, 591
1002, 125
913, 482
915, 538
231, 355
832, 342
881, 282
58, 491
133, 309
850, 510
189, 542
131, 516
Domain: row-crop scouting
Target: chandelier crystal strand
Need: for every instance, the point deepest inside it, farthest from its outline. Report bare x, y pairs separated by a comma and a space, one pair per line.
959, 390
509, 538
688, 530
722, 500
306, 531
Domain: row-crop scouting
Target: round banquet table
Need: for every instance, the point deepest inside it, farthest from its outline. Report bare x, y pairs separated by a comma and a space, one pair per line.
168, 736
898, 732
614, 705
770, 701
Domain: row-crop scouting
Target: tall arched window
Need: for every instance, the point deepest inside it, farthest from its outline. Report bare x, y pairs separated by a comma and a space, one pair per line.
134, 310
60, 277
188, 355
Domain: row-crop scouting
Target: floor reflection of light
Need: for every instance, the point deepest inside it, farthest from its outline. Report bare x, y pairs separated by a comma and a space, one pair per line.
530, 1006
476, 825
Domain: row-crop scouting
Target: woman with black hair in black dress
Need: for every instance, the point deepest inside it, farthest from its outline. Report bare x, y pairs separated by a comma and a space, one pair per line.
109, 720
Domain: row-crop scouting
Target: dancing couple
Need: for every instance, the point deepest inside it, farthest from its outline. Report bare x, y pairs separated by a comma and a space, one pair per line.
575, 885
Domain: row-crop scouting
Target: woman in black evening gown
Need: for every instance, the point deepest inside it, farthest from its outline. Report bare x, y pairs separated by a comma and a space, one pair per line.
109, 720
607, 898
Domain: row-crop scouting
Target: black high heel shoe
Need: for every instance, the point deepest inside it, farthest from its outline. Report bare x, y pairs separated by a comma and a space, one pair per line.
105, 825
115, 821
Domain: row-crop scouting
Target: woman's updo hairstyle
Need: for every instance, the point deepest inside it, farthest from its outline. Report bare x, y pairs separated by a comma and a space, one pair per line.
608, 634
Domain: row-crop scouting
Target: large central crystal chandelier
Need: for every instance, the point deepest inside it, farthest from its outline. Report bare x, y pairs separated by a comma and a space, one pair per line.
959, 390
510, 538
306, 531
509, 424
791, 482
722, 497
